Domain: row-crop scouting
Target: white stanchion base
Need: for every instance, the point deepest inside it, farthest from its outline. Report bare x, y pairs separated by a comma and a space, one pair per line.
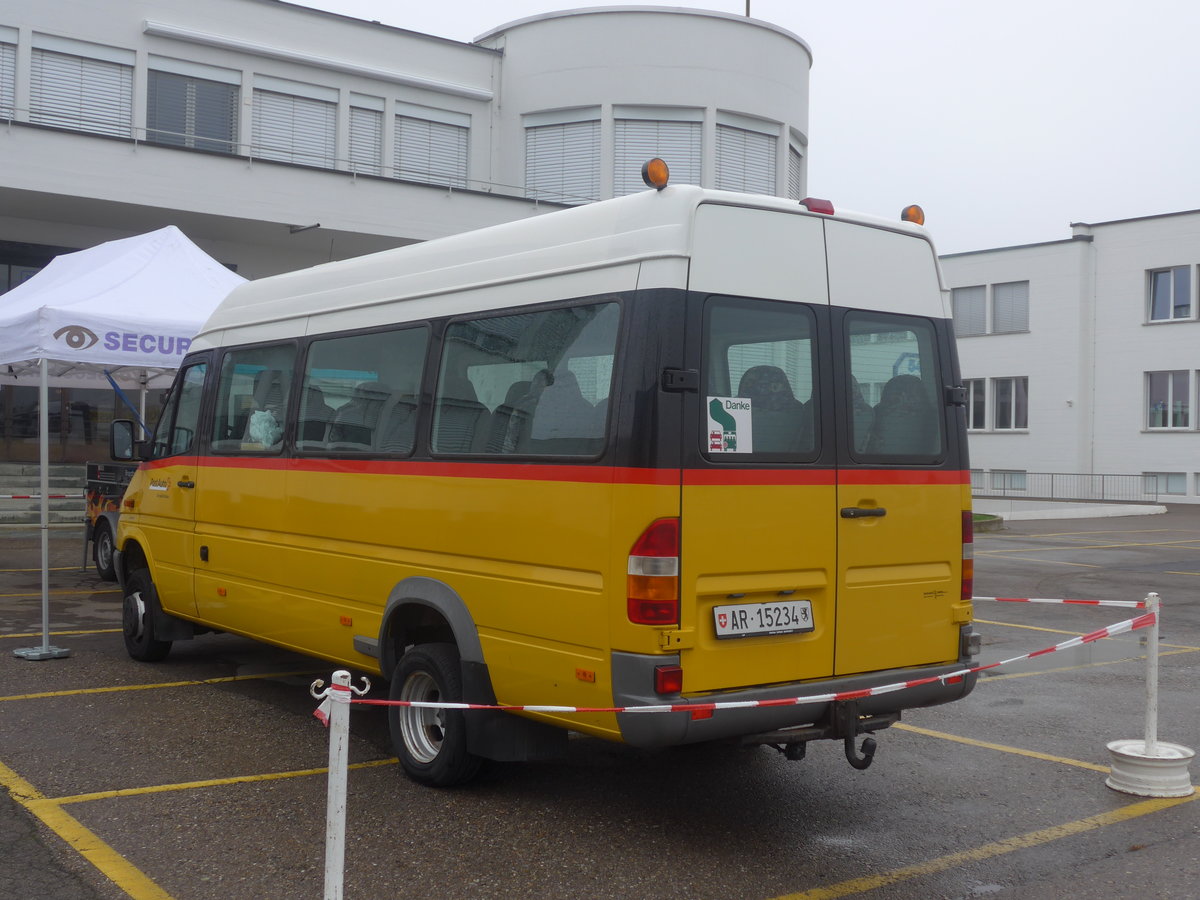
39, 653
1165, 774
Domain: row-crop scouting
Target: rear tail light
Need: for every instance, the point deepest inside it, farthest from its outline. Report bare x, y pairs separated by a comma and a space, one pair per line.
968, 555
653, 582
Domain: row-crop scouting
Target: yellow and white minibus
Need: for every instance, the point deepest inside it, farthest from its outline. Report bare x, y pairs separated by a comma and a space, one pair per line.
685, 446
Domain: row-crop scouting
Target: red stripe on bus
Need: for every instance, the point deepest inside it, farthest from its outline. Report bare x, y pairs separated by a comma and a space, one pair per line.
580, 473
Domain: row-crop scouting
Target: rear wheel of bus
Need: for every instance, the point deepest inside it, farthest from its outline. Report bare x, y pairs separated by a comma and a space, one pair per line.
431, 743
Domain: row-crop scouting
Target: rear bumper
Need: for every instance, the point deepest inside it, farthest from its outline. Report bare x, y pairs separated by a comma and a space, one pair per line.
633, 672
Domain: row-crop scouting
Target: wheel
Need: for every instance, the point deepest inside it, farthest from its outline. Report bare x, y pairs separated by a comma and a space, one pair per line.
103, 546
431, 743
137, 623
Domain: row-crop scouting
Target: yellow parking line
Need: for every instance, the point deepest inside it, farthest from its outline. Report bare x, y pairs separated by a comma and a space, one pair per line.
1183, 573
84, 841
990, 850
33, 595
1051, 562
1003, 748
215, 782
149, 687
51, 569
37, 634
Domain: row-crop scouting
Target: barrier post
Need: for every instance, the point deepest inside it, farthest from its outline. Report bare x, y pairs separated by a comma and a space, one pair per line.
335, 804
1149, 767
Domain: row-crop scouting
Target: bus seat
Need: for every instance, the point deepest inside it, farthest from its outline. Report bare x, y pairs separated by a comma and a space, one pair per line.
353, 424
563, 420
510, 419
781, 423
315, 415
905, 422
461, 424
397, 427
270, 396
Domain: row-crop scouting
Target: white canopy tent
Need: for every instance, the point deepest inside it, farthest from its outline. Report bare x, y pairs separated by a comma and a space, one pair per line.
126, 309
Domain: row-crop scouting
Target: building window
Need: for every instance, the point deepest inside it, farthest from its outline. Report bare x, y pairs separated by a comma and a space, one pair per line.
1168, 399
1010, 307
1165, 482
366, 134
431, 146
976, 389
8, 77
795, 174
562, 160
745, 159
1170, 294
969, 306
1011, 401
1008, 480
293, 127
184, 111
82, 93
675, 139
978, 480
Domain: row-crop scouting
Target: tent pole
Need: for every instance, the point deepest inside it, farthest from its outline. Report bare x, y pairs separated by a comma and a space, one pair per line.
45, 651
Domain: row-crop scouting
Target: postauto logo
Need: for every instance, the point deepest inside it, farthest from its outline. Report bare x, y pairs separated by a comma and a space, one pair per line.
77, 337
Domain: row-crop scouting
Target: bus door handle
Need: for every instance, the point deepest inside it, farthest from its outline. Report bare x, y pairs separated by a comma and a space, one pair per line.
859, 512
186, 484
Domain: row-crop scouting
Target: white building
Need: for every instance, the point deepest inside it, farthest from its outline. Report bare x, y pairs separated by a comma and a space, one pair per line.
1083, 356
277, 136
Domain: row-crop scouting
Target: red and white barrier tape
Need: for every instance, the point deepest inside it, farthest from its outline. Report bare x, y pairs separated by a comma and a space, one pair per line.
1141, 621
1129, 604
39, 496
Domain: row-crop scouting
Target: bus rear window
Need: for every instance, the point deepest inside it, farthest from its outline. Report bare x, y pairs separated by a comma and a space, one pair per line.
759, 367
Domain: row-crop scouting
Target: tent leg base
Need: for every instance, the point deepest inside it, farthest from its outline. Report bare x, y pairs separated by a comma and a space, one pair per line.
37, 653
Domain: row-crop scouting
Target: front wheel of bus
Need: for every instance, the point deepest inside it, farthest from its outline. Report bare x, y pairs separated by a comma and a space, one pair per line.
431, 743
137, 620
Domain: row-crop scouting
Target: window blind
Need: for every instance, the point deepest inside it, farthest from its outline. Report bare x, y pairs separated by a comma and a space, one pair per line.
8, 80
970, 316
183, 111
432, 152
294, 129
80, 93
795, 174
562, 162
1010, 307
745, 160
637, 140
366, 140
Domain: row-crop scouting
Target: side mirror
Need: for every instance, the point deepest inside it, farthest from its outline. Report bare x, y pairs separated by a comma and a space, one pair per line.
121, 442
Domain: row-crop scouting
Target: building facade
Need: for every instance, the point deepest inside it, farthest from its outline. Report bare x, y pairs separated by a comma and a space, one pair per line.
278, 137
1082, 357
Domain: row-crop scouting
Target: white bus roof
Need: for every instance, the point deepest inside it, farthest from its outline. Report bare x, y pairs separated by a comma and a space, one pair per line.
596, 248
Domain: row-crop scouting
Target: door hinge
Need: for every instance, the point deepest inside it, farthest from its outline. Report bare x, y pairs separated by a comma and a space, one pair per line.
679, 639
680, 380
956, 395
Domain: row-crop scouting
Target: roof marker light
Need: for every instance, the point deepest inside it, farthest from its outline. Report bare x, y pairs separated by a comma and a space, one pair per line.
814, 204
913, 214
655, 173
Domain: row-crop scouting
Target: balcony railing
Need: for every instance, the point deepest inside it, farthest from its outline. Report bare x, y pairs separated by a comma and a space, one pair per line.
1067, 486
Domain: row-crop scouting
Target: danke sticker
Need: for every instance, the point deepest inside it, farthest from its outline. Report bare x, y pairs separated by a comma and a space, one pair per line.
729, 428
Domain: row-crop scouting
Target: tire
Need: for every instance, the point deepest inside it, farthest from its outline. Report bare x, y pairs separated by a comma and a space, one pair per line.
431, 743
137, 620
103, 547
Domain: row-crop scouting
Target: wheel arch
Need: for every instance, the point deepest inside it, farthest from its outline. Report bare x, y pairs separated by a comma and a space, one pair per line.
423, 610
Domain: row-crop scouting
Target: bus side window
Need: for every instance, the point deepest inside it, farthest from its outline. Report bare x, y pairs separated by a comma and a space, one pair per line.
360, 392
252, 399
532, 384
176, 431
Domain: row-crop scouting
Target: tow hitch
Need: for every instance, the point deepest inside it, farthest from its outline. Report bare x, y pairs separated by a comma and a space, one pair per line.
841, 722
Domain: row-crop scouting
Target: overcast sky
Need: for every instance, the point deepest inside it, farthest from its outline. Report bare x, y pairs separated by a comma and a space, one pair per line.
1006, 121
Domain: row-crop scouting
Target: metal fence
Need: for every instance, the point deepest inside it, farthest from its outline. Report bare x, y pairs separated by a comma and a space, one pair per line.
1067, 486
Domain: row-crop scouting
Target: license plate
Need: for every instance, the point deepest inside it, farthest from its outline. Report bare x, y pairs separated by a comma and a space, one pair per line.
751, 619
